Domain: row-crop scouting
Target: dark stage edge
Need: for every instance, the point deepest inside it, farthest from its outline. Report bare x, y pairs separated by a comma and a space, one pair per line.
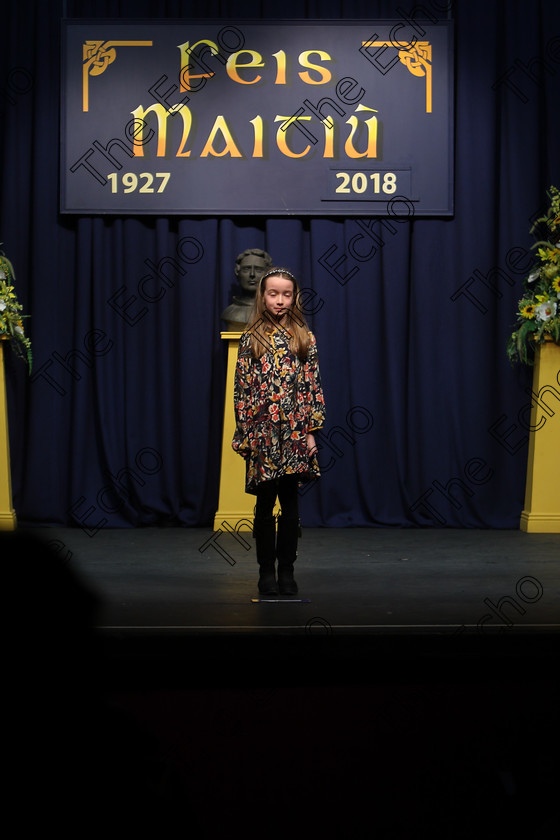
414, 599
376, 709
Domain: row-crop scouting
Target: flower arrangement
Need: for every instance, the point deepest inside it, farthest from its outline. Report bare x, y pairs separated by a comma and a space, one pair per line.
538, 316
11, 318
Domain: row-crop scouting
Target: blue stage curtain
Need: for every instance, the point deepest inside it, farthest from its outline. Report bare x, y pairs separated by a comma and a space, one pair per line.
120, 424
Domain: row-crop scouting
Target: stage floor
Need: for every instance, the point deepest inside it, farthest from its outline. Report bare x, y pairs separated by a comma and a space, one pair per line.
352, 581
356, 580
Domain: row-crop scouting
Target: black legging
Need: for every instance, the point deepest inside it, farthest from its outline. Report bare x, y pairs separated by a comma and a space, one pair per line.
286, 488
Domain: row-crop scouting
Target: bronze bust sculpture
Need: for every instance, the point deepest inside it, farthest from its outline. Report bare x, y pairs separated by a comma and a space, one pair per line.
249, 268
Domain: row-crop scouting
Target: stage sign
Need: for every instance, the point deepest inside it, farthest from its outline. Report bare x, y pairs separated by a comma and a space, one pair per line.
337, 118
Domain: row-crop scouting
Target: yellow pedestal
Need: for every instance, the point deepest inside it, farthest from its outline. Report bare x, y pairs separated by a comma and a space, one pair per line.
7, 513
235, 507
542, 492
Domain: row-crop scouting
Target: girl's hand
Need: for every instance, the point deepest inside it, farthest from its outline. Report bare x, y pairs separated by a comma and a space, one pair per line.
311, 445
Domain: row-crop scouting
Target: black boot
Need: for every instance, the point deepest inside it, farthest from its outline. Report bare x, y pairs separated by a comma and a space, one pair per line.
264, 532
286, 552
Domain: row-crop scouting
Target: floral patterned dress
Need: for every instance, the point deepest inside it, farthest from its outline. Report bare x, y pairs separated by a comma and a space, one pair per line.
278, 400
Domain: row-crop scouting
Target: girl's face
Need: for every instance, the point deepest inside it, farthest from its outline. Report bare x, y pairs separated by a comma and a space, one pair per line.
278, 295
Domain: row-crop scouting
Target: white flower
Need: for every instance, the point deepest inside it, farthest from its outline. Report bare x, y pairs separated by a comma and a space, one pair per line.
2, 305
534, 275
19, 330
546, 310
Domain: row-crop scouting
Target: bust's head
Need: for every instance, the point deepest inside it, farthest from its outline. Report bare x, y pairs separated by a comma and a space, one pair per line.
249, 268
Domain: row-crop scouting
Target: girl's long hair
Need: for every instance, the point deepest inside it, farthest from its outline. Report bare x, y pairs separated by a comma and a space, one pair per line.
262, 323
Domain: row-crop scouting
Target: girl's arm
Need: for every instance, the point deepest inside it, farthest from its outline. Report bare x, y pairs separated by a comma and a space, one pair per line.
242, 399
315, 397
311, 445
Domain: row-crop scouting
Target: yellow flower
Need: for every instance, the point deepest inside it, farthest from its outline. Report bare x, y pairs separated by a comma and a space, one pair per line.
528, 311
556, 284
549, 253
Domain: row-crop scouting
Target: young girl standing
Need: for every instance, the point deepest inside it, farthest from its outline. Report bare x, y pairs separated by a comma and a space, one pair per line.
279, 403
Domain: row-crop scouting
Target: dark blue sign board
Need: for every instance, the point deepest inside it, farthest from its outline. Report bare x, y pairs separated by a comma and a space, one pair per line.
198, 118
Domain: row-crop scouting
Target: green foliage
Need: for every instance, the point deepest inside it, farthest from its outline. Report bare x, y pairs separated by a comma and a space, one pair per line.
11, 315
538, 312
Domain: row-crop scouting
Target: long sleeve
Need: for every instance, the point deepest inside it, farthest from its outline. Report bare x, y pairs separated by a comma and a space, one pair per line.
242, 398
314, 397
